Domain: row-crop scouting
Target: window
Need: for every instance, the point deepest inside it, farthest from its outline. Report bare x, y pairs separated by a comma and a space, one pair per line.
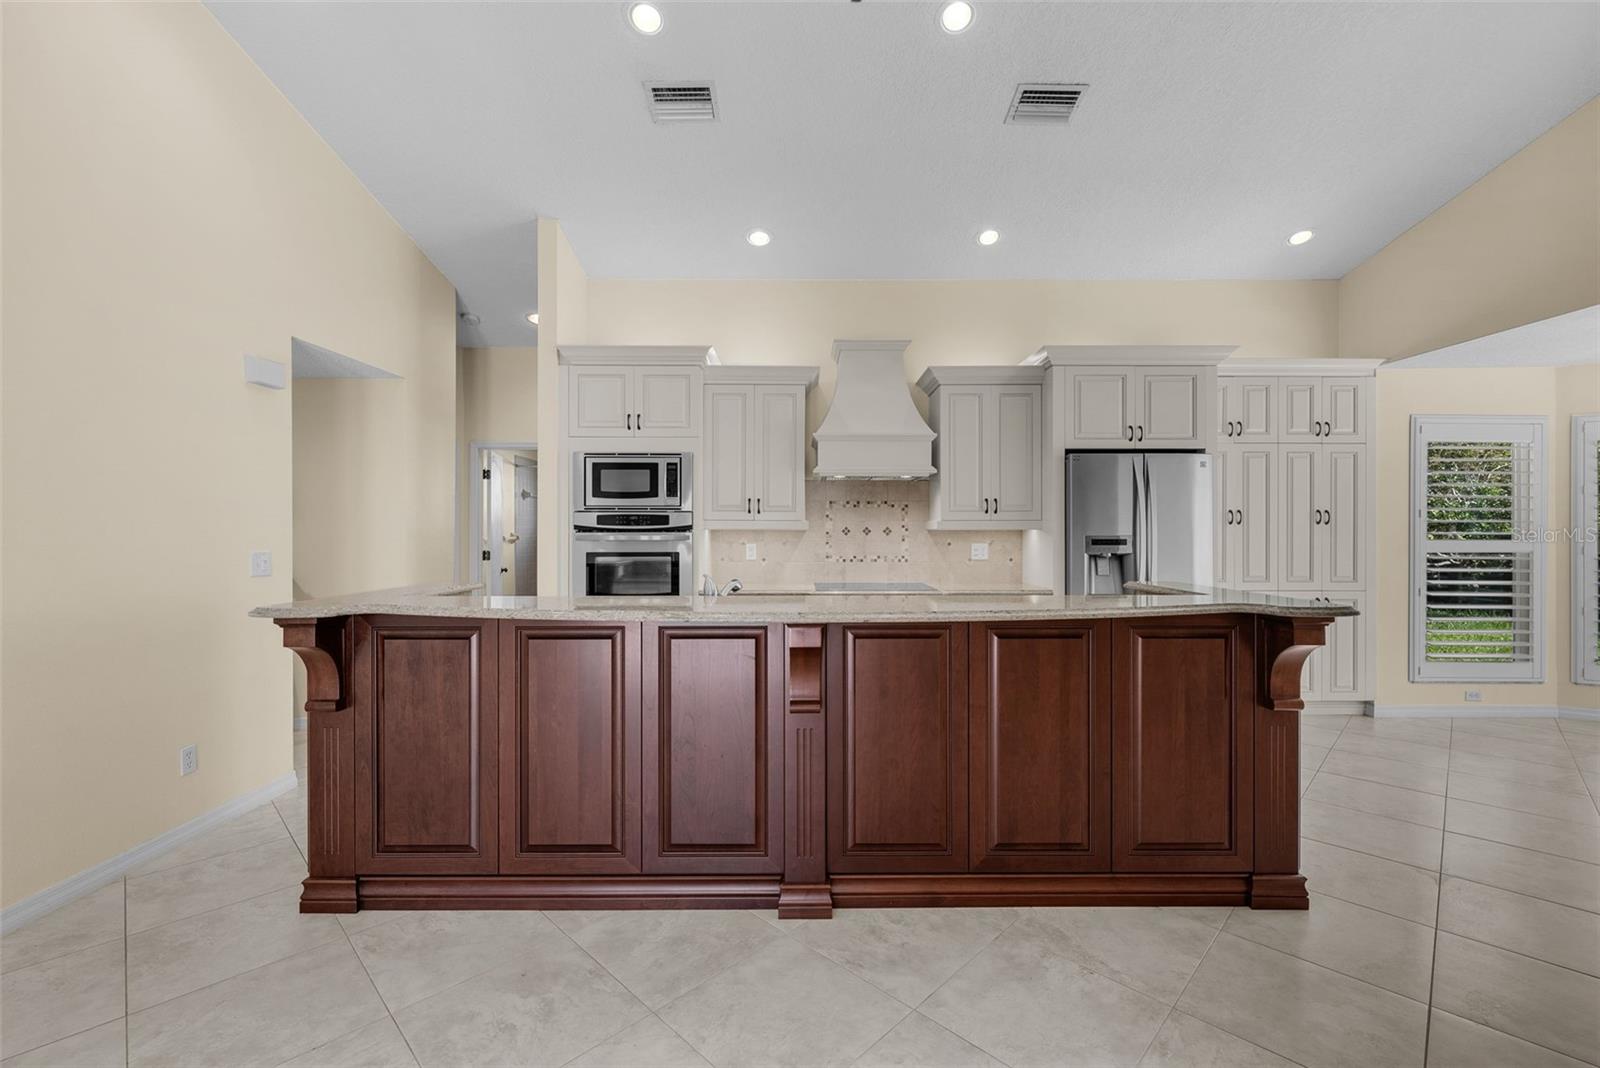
1586, 548
1477, 548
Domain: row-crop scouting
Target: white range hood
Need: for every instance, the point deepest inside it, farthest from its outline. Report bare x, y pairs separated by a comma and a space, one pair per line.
873, 429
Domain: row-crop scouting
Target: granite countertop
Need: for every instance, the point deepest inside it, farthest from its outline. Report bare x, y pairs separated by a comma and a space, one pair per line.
467, 602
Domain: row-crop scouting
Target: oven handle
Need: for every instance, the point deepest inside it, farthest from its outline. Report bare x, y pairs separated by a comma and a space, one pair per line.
610, 536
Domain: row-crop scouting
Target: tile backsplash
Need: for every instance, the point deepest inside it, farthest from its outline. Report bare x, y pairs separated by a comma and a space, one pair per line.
867, 532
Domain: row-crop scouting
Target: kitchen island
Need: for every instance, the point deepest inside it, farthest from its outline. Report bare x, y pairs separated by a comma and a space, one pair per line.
803, 753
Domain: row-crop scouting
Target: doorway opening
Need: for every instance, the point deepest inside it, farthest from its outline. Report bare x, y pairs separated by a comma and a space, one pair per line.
504, 547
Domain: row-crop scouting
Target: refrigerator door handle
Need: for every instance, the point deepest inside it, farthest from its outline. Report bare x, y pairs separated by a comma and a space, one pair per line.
1149, 523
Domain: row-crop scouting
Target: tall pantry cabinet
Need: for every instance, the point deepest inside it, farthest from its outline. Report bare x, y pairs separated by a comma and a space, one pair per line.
1295, 499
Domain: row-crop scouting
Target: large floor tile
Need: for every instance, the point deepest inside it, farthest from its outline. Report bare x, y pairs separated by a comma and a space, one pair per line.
1577, 841
1542, 1003
1555, 754
1408, 843
1321, 737
168, 961
1027, 1004
1542, 730
1152, 950
377, 1045
1427, 756
918, 1042
647, 1043
544, 1009
906, 953
1312, 756
1385, 885
88, 921
203, 885
422, 953
659, 954
105, 1046
262, 1017
1566, 882
1568, 779
1554, 933
1363, 943
1389, 772
1303, 1011
784, 1005
1213, 916
1431, 731
60, 997
1413, 806
256, 827
1457, 1043
1523, 797
1185, 1042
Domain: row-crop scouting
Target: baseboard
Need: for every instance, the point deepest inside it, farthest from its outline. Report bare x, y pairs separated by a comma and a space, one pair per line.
1476, 711
52, 898
1578, 713
1337, 708
300, 723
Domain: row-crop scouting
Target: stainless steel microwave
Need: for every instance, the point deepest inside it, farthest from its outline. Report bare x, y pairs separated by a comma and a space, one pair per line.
635, 481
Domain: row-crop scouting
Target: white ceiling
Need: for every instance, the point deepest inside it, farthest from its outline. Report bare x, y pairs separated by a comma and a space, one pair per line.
871, 145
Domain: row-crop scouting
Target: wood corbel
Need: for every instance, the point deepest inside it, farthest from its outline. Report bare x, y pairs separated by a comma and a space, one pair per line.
1286, 642
320, 645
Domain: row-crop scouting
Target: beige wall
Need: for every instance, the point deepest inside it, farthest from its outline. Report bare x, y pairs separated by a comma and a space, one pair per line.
563, 320
166, 212
1520, 245
498, 400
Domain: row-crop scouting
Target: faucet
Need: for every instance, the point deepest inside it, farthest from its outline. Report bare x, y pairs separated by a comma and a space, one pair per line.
708, 588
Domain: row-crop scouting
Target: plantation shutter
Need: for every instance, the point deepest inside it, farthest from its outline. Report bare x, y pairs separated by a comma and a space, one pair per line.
1477, 564
1586, 548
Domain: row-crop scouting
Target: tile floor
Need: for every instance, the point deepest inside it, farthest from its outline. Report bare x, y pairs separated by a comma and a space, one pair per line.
1455, 868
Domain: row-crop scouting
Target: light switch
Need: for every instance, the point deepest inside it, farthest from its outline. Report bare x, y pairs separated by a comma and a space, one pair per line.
260, 565
980, 550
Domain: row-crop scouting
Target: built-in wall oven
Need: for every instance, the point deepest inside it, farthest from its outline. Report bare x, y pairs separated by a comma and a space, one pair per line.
634, 481
632, 554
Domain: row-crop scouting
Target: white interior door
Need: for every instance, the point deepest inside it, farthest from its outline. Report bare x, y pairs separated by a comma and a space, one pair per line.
498, 566
525, 525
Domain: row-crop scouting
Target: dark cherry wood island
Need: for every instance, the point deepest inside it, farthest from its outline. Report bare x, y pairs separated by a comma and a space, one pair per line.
802, 753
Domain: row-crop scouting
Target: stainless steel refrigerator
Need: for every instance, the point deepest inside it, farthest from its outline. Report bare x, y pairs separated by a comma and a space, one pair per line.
1138, 516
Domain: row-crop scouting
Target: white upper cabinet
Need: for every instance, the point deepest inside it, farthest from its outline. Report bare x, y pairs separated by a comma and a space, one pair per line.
753, 467
1247, 409
601, 402
1140, 407
666, 401
1100, 408
634, 392
1324, 409
989, 452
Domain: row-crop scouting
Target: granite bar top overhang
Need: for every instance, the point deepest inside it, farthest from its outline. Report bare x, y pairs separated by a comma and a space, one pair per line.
468, 602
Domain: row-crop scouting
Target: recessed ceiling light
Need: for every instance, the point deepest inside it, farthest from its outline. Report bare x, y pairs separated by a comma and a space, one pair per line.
988, 237
468, 319
956, 16
758, 238
533, 317
646, 18
1300, 237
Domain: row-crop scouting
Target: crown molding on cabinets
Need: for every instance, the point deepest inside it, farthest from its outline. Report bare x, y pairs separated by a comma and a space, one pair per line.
1321, 368
1143, 355
694, 355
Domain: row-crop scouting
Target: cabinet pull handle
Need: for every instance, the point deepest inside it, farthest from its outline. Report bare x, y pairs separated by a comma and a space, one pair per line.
1229, 425
638, 421
994, 503
1327, 429
629, 419
1130, 431
758, 506
1240, 425
1141, 433
747, 505
985, 502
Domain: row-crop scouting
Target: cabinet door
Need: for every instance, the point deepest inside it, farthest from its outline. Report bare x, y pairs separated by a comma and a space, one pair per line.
1100, 409
1299, 409
1171, 409
601, 402
1226, 402
963, 431
1256, 526
1255, 409
1300, 500
1343, 499
1345, 669
1017, 482
1039, 724
727, 490
1225, 544
897, 747
1344, 409
426, 730
1183, 707
666, 401
713, 750
780, 459
569, 749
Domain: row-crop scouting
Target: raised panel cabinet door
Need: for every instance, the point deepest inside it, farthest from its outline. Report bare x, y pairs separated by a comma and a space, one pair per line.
426, 793
1227, 396
666, 401
1039, 730
1100, 408
1182, 736
1225, 509
1343, 518
1256, 521
1170, 408
1300, 502
1299, 409
1018, 480
1344, 409
897, 747
963, 434
602, 402
569, 748
780, 452
1255, 409
713, 749
1345, 678
727, 490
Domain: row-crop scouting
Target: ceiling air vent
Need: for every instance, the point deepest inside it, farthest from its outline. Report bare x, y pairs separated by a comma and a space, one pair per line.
681, 102
1044, 102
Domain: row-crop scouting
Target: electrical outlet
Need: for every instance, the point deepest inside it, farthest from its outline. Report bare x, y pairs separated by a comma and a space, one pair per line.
979, 551
188, 760
260, 565
751, 550
1473, 695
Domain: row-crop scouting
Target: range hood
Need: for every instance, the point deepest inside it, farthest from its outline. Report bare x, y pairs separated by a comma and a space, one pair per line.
873, 429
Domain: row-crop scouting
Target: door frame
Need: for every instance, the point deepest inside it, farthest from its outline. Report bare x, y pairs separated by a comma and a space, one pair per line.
474, 501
